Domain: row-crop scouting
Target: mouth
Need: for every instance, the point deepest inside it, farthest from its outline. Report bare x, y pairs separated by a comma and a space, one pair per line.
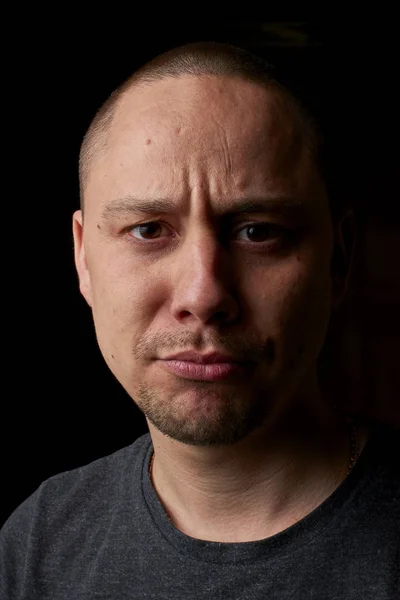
205, 367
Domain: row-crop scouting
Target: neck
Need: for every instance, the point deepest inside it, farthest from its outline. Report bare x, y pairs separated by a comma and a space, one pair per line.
257, 487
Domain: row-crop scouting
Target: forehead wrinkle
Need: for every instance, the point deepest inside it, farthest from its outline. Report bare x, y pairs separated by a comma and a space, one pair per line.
293, 208
229, 143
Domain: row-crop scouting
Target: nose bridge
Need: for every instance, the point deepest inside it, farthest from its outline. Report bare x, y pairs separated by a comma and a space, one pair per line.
203, 284
207, 256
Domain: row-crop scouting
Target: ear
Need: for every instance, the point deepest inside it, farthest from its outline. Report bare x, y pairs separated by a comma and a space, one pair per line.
85, 286
342, 256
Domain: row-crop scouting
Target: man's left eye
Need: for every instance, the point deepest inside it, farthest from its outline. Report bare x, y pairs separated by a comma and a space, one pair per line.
259, 232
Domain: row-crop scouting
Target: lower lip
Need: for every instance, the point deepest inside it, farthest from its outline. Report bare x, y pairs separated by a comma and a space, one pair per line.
205, 372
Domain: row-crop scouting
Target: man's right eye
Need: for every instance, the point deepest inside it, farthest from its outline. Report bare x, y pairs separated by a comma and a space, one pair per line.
147, 231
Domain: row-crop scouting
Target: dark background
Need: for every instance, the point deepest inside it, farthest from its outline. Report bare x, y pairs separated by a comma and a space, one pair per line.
61, 406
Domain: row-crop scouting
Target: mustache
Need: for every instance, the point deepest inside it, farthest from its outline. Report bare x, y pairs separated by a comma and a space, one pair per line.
153, 345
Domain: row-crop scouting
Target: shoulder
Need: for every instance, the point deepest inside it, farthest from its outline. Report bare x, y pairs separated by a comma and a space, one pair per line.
64, 496
68, 511
106, 472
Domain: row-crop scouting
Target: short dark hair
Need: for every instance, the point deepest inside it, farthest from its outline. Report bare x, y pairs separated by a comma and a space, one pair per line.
197, 60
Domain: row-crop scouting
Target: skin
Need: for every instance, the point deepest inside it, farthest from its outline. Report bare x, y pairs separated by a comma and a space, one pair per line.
241, 459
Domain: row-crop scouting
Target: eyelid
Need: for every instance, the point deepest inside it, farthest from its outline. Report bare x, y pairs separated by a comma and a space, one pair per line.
273, 226
243, 225
155, 222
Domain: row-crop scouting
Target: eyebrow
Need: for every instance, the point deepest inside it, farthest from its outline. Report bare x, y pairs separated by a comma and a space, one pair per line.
284, 206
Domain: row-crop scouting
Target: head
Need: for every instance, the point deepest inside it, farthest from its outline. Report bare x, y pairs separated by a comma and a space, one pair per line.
206, 225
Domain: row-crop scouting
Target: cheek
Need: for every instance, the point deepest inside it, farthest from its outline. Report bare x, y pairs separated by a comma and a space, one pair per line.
125, 301
304, 314
293, 306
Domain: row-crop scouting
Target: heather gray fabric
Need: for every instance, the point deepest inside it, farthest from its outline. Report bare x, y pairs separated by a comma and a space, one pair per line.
100, 532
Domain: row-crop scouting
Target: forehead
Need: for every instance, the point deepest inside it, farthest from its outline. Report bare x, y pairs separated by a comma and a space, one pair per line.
189, 96
206, 107
203, 127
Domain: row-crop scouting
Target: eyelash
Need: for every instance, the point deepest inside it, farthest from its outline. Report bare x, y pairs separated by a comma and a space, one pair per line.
282, 232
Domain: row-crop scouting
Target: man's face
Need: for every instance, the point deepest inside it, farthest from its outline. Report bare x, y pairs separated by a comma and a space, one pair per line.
207, 229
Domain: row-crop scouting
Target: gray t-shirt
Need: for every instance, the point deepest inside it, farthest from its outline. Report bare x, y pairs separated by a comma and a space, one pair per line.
100, 532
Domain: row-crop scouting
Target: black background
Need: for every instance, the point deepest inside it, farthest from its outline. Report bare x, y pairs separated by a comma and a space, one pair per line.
61, 406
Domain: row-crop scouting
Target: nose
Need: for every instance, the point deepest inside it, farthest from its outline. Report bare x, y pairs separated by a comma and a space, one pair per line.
203, 286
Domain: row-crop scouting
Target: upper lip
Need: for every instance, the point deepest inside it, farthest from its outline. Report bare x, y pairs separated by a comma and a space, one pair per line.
203, 359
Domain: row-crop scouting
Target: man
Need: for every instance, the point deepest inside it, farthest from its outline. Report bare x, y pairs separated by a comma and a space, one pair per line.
207, 250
